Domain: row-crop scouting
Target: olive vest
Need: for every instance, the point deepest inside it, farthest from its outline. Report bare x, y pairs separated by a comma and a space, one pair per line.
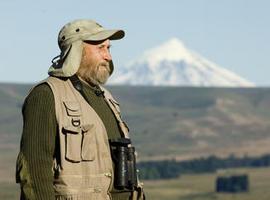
84, 169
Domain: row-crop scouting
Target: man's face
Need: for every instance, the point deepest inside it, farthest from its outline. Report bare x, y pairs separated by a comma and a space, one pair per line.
95, 67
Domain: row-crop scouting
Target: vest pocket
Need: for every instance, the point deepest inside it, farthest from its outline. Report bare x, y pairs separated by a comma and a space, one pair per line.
80, 143
80, 139
72, 108
89, 146
73, 143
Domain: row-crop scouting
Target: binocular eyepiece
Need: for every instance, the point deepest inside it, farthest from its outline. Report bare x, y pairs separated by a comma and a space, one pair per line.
125, 171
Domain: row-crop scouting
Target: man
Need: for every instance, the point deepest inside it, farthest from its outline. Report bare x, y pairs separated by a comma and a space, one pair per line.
75, 144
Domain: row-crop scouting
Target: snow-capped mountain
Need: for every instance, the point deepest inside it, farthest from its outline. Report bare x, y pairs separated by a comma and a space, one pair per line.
173, 64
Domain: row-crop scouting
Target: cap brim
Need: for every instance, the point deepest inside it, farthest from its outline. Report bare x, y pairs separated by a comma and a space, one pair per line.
107, 34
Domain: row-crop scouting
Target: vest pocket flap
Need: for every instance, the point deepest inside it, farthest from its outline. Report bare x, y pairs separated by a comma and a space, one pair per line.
72, 108
71, 130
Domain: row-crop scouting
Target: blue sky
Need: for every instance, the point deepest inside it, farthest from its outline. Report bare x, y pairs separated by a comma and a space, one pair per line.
232, 33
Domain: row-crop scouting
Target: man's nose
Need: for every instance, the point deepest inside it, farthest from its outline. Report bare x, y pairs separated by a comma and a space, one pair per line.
107, 55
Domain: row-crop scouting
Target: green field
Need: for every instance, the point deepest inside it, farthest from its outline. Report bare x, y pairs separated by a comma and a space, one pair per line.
187, 187
202, 187
9, 191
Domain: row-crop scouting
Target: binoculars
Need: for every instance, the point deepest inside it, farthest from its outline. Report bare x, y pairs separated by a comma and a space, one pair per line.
125, 172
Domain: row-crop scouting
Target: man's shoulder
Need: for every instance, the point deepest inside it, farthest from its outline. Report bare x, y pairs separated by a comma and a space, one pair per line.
44, 87
40, 90
38, 96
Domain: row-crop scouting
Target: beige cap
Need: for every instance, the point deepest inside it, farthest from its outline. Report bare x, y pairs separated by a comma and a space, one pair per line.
70, 40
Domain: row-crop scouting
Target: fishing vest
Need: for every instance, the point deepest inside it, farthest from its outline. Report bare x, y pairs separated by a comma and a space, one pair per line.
84, 168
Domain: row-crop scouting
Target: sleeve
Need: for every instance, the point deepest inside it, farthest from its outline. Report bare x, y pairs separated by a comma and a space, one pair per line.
35, 160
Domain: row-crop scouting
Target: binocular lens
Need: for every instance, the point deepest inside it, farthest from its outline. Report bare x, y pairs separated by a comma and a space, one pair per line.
125, 171
121, 168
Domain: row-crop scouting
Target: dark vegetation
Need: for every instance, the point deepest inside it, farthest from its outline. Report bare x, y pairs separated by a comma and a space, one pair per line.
168, 169
232, 184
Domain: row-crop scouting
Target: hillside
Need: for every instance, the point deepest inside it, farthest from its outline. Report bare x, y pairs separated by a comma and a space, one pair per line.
166, 122
190, 122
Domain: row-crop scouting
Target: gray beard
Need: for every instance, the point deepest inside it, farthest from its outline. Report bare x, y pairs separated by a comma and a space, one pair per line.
99, 75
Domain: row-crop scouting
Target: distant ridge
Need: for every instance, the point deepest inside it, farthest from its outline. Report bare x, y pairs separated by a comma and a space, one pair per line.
172, 64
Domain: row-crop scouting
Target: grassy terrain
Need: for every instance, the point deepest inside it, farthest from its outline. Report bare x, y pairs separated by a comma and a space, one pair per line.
202, 187
187, 187
9, 191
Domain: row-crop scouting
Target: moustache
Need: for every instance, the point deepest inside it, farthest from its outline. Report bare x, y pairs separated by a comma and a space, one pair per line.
106, 65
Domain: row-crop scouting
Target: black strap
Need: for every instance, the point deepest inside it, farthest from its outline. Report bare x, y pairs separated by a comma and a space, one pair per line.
124, 142
77, 85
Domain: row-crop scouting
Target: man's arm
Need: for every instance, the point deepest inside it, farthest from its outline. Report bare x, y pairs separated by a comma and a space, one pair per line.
35, 160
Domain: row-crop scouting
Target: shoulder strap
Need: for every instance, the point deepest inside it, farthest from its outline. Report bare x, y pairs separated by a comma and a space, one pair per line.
114, 105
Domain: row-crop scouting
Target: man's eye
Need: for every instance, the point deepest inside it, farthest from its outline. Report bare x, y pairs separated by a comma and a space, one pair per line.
101, 47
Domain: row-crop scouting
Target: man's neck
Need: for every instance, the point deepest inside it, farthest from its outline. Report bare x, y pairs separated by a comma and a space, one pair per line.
92, 84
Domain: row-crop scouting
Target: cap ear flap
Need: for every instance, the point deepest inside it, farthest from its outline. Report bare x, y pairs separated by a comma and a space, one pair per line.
73, 59
111, 67
70, 60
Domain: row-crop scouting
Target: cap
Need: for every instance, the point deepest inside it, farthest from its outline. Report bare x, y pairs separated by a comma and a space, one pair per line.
86, 30
70, 39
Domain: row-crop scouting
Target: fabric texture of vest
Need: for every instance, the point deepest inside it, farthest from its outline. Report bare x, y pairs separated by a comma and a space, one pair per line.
84, 168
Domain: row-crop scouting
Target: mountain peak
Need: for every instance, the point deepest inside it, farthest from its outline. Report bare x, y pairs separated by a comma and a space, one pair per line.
172, 50
173, 64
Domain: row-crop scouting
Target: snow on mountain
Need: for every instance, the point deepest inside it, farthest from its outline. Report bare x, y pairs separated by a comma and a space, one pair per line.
172, 64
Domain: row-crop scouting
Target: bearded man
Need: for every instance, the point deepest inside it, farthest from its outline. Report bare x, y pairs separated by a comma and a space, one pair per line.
75, 144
